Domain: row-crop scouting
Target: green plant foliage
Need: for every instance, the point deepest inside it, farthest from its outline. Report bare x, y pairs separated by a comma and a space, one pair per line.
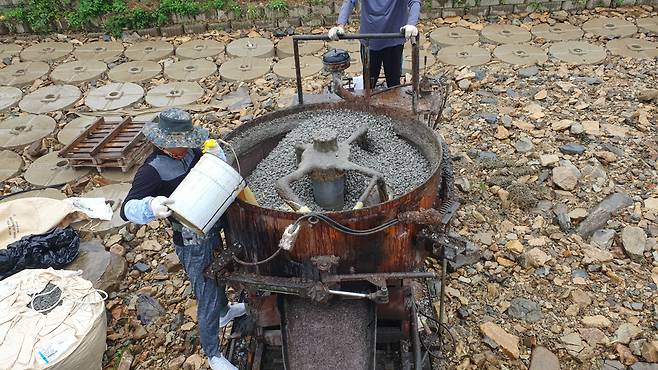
277, 5
253, 12
234, 8
40, 15
536, 6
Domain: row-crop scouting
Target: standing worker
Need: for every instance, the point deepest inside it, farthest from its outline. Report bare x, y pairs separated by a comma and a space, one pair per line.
176, 151
382, 16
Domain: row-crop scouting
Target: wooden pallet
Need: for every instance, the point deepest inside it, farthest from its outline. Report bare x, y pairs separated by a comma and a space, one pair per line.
108, 145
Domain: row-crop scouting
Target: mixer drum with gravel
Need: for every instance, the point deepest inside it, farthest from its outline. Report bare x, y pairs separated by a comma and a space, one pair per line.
259, 229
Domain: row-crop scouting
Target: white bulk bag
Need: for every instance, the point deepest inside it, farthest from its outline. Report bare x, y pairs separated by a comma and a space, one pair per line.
70, 336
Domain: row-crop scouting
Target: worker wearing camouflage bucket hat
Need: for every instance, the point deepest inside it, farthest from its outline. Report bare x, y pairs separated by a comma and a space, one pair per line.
177, 145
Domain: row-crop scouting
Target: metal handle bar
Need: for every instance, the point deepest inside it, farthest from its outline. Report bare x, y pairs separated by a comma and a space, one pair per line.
415, 68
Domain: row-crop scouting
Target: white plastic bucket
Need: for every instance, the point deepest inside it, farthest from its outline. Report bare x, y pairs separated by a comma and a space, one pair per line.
205, 193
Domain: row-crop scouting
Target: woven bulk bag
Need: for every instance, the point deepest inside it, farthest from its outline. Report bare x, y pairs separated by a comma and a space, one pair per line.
51, 319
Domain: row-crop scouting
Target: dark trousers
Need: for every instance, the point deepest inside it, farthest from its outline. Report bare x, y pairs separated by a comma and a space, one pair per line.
391, 58
212, 302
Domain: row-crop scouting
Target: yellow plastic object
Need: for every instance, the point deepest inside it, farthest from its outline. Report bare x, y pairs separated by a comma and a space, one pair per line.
248, 196
208, 144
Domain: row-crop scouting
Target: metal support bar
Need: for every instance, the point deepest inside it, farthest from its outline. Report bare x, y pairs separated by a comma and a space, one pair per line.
368, 277
415, 338
298, 71
444, 267
415, 73
348, 294
350, 36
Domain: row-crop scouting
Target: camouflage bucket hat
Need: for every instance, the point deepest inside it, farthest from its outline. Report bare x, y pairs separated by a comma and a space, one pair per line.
174, 129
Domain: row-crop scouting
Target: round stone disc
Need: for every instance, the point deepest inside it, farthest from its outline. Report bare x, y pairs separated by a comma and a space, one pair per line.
113, 96
256, 47
42, 193
308, 66
150, 50
135, 71
119, 176
578, 52
114, 194
648, 25
633, 48
423, 55
46, 51
174, 94
52, 170
450, 36
609, 27
9, 97
505, 34
9, 50
466, 55
520, 54
557, 32
284, 47
21, 74
10, 164
347, 45
20, 131
78, 72
190, 69
50, 98
106, 51
74, 128
244, 69
198, 49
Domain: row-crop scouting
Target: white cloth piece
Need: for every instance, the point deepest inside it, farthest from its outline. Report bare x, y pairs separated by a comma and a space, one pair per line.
94, 208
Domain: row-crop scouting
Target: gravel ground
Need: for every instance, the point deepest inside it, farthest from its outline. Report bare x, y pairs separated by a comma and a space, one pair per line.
402, 165
523, 210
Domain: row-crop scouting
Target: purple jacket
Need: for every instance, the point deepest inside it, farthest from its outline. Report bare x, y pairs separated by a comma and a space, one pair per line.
382, 16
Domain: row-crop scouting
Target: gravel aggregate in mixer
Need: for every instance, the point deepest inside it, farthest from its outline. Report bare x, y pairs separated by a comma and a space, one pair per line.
402, 165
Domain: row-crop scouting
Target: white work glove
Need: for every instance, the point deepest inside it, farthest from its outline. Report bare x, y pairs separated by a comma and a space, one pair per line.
159, 207
335, 31
409, 31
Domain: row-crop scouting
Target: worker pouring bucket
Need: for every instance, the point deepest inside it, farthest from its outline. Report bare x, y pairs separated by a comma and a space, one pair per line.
212, 184
205, 193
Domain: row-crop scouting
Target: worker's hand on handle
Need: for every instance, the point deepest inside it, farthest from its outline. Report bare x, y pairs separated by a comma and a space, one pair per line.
335, 31
409, 31
159, 207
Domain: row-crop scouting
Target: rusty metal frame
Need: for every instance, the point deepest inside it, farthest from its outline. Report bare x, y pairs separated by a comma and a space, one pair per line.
415, 63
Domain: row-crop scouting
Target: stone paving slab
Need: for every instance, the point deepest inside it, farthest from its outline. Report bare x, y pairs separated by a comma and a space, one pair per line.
17, 132
136, 71
50, 98
23, 73
106, 51
46, 51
